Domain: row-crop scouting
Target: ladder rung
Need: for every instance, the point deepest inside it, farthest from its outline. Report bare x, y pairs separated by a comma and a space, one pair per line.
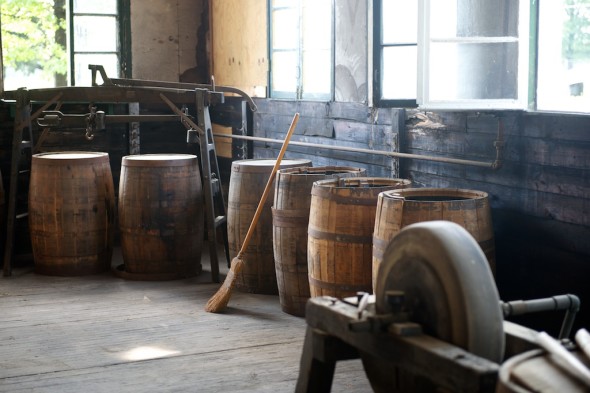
22, 215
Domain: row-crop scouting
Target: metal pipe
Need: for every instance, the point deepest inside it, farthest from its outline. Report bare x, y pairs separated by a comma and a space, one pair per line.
570, 303
368, 151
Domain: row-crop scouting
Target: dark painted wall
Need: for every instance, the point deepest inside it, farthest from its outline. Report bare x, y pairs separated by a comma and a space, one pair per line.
540, 196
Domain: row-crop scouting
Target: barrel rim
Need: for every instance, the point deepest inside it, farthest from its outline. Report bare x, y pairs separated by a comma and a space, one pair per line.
92, 156
459, 193
158, 159
319, 170
375, 182
270, 161
246, 166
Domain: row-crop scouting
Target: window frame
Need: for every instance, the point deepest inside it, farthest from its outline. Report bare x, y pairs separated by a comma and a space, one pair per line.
123, 40
377, 50
522, 101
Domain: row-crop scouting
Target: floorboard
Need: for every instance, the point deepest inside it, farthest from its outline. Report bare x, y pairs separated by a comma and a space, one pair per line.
102, 333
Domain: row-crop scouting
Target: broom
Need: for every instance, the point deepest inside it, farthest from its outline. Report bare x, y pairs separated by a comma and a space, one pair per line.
219, 300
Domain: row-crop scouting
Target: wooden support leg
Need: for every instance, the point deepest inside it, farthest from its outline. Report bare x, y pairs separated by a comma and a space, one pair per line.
318, 361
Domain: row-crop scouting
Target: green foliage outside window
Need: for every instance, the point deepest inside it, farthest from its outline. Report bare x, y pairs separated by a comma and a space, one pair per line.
576, 35
30, 31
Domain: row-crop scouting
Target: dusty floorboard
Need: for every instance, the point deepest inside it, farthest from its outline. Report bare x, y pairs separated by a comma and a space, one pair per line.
101, 333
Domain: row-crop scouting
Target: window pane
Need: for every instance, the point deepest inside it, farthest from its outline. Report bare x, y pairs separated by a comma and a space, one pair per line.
473, 71
564, 56
399, 21
283, 3
285, 29
317, 73
285, 71
95, 7
83, 74
399, 73
95, 34
468, 18
317, 25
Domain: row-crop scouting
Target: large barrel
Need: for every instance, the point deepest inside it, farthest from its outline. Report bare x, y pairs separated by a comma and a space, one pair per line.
399, 208
160, 216
247, 182
71, 213
341, 222
290, 215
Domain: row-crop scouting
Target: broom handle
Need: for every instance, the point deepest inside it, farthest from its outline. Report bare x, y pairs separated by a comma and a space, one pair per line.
268, 186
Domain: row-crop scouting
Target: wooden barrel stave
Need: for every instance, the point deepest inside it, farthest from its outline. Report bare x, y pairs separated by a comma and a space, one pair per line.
247, 182
290, 221
161, 216
400, 208
71, 213
341, 223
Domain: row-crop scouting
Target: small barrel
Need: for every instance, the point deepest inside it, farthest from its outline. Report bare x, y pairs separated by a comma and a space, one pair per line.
247, 182
537, 371
290, 215
399, 208
160, 216
71, 213
341, 222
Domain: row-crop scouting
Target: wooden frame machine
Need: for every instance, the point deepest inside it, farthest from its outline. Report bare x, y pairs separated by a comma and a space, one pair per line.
181, 98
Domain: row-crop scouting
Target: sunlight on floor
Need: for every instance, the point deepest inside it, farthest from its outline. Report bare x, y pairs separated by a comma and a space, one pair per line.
145, 353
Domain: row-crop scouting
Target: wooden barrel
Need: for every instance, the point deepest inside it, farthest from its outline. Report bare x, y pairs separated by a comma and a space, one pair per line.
399, 208
290, 216
247, 182
341, 222
536, 371
161, 212
71, 213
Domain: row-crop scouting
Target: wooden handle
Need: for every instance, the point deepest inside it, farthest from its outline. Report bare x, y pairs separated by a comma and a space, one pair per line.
268, 186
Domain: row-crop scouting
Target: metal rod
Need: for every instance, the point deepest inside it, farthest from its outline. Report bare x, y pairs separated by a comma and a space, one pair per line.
570, 303
368, 151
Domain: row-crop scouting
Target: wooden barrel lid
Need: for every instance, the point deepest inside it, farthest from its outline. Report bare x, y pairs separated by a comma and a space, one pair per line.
69, 157
158, 160
266, 166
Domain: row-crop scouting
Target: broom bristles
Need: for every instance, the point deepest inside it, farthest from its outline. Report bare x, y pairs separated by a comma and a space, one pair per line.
219, 300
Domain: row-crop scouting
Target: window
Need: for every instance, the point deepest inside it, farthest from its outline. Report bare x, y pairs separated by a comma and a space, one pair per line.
481, 54
301, 54
472, 54
94, 30
397, 53
49, 43
563, 74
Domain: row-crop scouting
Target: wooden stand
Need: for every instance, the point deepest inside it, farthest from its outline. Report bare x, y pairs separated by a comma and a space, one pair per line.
335, 332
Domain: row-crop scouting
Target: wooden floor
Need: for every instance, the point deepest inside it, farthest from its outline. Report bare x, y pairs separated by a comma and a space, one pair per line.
102, 333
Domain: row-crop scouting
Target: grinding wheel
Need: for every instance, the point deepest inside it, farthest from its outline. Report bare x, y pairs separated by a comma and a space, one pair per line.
449, 289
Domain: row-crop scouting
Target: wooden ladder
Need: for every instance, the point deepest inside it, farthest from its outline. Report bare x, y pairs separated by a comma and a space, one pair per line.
201, 132
22, 126
22, 129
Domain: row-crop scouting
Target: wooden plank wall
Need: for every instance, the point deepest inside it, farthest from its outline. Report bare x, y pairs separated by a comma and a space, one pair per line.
540, 196
332, 124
